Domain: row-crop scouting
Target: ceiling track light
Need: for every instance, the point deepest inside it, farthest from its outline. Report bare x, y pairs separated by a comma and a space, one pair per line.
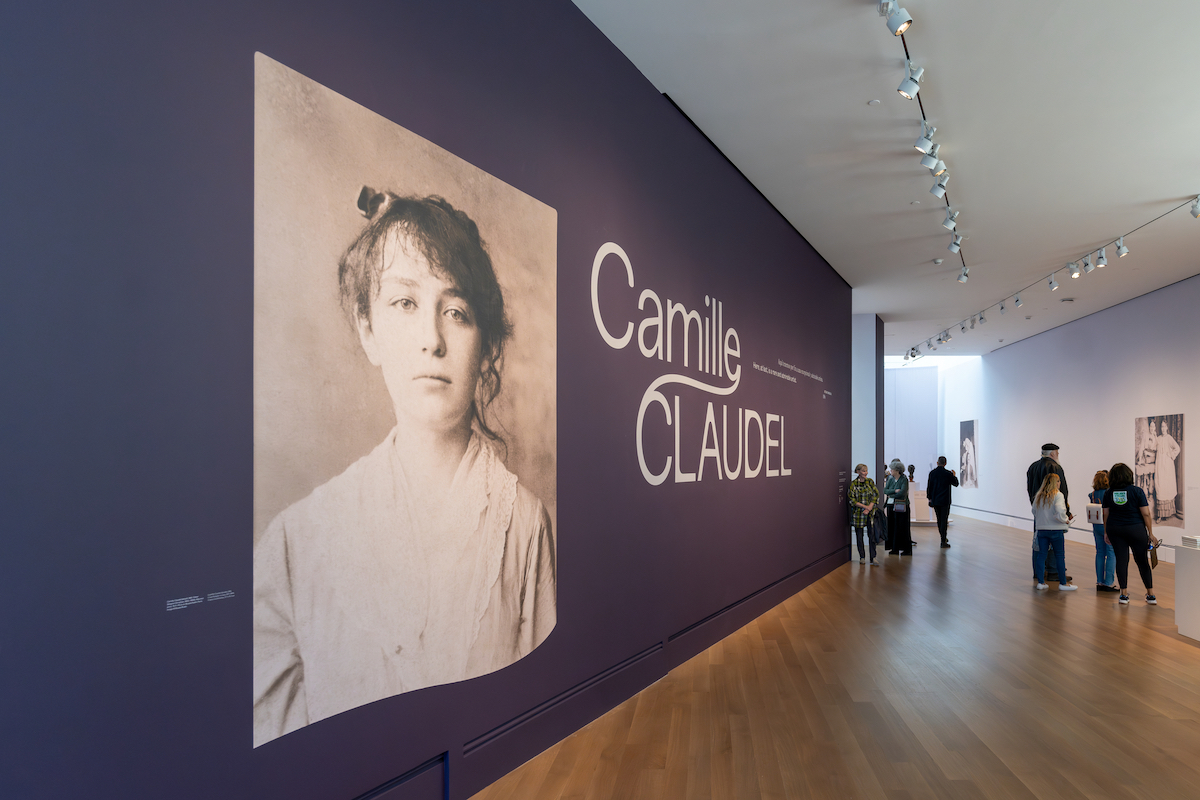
972, 323
1122, 250
956, 245
946, 335
1053, 284
1074, 269
962, 276
898, 20
1102, 261
1002, 308
930, 159
939, 188
939, 168
911, 84
1196, 207
981, 319
951, 219
1017, 300
925, 143
1088, 266
962, 327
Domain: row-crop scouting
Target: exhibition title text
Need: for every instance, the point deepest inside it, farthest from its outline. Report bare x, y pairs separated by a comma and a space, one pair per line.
708, 347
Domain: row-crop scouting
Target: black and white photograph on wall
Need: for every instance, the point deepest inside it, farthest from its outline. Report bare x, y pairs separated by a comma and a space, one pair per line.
405, 454
1158, 466
968, 454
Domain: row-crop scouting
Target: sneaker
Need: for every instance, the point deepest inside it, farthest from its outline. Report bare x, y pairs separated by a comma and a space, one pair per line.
1123, 599
1042, 586
1151, 600
945, 544
1067, 587
874, 563
862, 560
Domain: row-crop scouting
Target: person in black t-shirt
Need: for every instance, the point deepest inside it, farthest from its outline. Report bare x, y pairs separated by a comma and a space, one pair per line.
1129, 526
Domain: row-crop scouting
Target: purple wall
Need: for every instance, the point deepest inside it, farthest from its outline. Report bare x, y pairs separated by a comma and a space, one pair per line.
126, 312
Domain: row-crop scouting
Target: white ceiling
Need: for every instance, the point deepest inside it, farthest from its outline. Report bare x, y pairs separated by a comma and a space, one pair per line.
1064, 125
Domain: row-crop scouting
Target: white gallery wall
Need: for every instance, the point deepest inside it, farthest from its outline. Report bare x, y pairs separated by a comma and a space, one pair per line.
1080, 386
910, 418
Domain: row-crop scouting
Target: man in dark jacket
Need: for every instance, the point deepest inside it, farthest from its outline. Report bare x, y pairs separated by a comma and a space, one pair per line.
1034, 476
937, 489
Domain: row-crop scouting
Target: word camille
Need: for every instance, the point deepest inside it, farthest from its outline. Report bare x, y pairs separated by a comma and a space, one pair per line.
715, 348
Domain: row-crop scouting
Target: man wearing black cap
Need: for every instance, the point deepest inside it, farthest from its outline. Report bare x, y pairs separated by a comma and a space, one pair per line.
1034, 476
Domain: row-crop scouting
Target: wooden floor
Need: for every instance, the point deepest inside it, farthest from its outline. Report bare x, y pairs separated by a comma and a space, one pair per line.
941, 676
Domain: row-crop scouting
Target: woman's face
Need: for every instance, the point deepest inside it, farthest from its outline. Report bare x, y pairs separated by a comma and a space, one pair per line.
862, 473
423, 336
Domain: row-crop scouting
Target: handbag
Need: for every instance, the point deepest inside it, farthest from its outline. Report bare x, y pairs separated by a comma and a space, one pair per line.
901, 506
1153, 556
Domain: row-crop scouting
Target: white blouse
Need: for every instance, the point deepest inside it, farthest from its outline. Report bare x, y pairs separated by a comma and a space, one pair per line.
357, 599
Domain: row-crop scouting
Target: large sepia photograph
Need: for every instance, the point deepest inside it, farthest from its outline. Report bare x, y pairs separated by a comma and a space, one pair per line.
968, 454
405, 450
1158, 466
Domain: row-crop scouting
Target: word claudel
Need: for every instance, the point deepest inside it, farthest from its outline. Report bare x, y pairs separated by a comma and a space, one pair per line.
715, 350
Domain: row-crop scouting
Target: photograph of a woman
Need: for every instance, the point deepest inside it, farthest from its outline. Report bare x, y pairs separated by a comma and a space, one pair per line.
425, 557
1158, 466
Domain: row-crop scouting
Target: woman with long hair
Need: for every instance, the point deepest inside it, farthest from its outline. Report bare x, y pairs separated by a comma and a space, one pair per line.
1129, 527
1106, 562
1051, 520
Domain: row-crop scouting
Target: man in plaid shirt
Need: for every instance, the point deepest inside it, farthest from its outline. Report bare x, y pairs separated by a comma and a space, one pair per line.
864, 496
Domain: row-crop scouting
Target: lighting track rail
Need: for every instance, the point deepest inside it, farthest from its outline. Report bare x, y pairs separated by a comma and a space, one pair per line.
1073, 268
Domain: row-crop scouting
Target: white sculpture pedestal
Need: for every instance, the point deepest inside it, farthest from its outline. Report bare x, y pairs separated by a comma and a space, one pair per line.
1187, 591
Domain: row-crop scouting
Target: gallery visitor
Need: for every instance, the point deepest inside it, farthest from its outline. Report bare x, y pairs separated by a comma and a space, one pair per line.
1128, 527
1034, 476
1166, 450
937, 489
1050, 519
425, 562
896, 489
1106, 562
864, 502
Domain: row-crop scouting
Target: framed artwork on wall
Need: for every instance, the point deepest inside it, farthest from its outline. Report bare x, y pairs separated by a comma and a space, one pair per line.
404, 411
1158, 466
968, 454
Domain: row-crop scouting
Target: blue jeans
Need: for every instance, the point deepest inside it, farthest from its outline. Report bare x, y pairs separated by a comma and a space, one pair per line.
1050, 539
1106, 559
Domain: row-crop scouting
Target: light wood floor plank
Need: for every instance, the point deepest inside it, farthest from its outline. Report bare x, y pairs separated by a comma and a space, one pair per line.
941, 677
